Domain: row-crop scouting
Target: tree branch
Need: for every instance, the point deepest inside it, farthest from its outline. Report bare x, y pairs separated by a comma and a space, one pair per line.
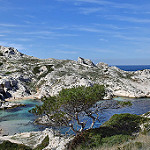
82, 124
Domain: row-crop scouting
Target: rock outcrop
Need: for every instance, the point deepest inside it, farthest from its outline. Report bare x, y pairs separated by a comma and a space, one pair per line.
33, 139
7, 105
23, 75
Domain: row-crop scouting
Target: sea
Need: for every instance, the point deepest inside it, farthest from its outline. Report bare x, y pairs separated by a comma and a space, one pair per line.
19, 119
132, 67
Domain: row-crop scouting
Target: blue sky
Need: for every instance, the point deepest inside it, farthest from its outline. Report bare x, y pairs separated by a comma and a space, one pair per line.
110, 31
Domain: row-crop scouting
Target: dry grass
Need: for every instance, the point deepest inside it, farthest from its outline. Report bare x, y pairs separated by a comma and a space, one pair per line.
142, 142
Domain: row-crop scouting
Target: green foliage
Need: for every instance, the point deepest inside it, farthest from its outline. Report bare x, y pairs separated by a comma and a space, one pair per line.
74, 97
61, 73
58, 66
118, 129
67, 107
148, 113
7, 73
81, 95
44, 144
6, 145
135, 145
36, 70
115, 139
29, 60
1, 54
1, 63
126, 123
125, 75
124, 103
49, 68
98, 137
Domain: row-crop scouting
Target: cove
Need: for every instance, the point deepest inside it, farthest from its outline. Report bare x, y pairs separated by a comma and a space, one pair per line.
19, 120
139, 106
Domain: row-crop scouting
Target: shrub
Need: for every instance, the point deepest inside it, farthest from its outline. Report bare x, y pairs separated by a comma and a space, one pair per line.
1, 63
116, 130
67, 108
36, 70
125, 123
6, 145
7, 73
44, 144
124, 103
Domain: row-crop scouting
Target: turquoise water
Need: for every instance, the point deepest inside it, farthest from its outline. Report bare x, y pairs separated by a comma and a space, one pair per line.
19, 120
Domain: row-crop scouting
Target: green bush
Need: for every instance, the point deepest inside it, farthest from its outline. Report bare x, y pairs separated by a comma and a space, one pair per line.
1, 63
44, 144
118, 129
6, 145
1, 54
69, 105
7, 73
124, 103
125, 123
136, 145
36, 70
115, 139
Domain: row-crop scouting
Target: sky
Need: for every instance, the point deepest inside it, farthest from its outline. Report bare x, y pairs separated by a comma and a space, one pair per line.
116, 32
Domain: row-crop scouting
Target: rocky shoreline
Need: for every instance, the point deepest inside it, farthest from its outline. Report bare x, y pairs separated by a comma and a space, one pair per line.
24, 76
32, 139
56, 141
9, 105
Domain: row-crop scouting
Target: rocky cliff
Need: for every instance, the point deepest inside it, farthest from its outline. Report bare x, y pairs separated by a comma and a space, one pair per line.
23, 76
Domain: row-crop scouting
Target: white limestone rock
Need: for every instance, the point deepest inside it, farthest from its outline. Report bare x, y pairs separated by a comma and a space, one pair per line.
17, 78
85, 62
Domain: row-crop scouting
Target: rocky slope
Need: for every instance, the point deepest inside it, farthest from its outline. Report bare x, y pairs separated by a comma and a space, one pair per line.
33, 139
23, 76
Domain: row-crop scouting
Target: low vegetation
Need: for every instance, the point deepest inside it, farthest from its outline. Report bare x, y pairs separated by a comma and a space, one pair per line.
36, 70
44, 144
7, 145
117, 130
124, 103
70, 105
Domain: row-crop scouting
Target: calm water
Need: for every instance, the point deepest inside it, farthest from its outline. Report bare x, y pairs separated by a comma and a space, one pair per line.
19, 120
134, 67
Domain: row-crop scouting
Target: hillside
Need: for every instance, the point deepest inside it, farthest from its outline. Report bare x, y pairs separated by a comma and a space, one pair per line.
22, 76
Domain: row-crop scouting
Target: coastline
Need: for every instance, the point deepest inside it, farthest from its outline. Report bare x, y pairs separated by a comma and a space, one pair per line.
23, 98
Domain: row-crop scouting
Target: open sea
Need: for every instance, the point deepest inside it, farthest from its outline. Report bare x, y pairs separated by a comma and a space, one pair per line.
133, 67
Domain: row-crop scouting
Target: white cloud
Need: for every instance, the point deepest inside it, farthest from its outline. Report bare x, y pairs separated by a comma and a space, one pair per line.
8, 25
15, 45
147, 51
127, 37
89, 29
128, 19
66, 52
90, 10
104, 50
111, 4
104, 40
